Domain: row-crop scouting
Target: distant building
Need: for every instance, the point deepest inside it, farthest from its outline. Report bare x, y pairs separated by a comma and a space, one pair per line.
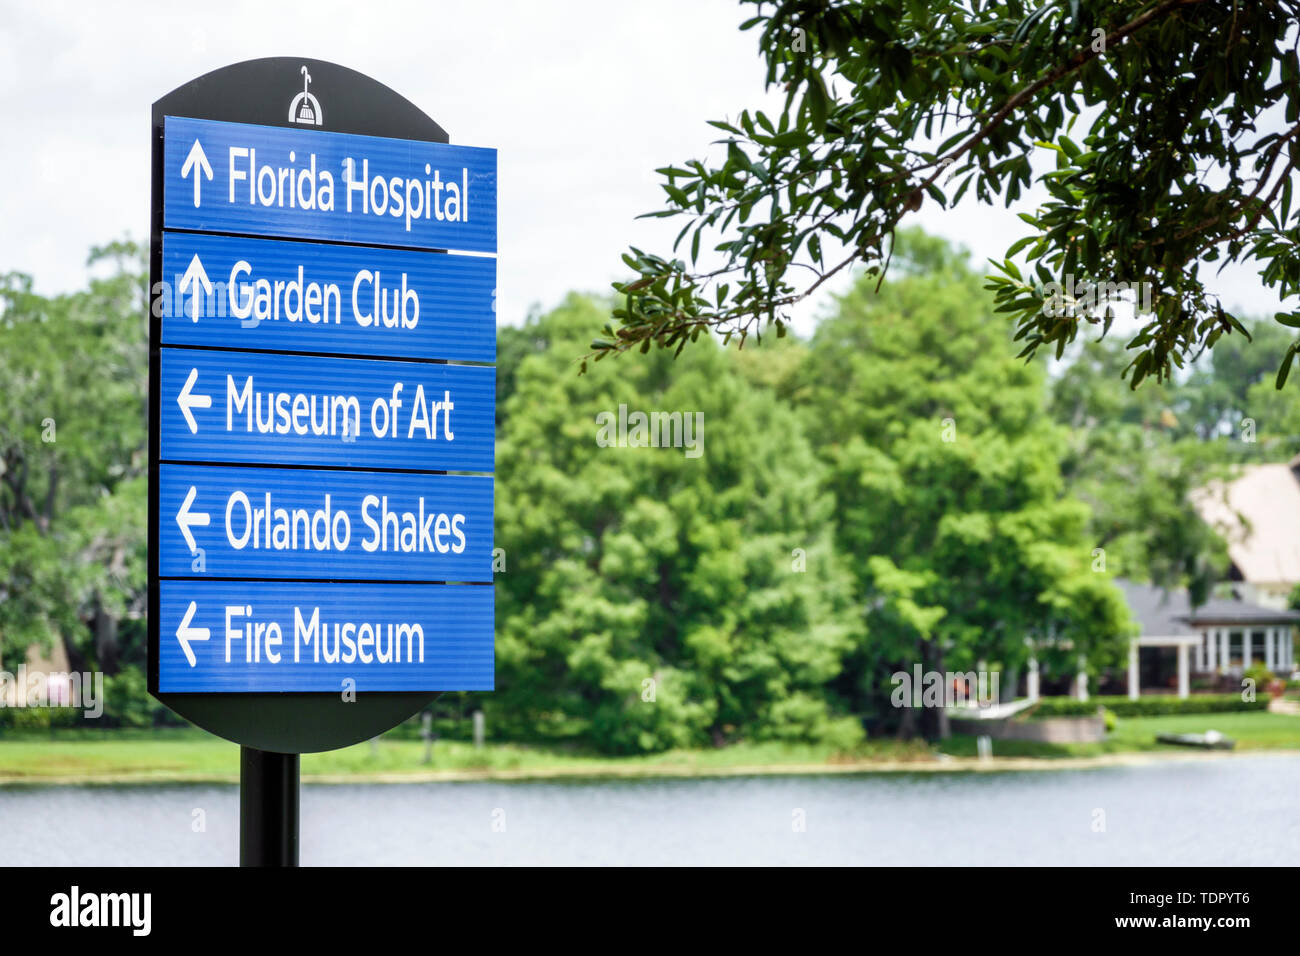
1258, 515
1222, 636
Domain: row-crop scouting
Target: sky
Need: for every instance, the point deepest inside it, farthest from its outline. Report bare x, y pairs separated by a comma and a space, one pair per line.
582, 100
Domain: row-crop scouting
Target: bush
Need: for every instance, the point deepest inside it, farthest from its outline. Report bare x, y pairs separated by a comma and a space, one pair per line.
1048, 707
1111, 720
27, 719
1152, 706
1196, 704
1261, 675
127, 701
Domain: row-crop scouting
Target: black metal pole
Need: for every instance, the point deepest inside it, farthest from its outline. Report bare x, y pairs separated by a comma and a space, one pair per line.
268, 808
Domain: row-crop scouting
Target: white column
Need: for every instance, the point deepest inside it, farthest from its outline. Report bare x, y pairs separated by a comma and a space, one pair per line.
1031, 679
1211, 649
1133, 689
1224, 660
1183, 685
1246, 636
1082, 681
1270, 648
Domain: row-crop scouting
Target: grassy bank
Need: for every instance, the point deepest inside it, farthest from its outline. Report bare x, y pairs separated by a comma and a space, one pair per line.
1253, 730
180, 755
185, 755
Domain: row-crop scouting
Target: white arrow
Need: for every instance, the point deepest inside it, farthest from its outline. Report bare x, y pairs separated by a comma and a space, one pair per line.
197, 279
196, 156
187, 519
185, 633
187, 401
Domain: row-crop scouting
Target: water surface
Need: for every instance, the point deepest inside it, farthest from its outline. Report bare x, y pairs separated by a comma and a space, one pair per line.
1237, 811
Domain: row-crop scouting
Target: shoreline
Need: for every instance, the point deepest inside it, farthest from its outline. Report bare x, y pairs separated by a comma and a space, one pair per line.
947, 764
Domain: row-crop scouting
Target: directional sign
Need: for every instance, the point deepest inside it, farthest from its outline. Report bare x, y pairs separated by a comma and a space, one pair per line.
312, 410
324, 277
229, 292
259, 636
328, 525
298, 183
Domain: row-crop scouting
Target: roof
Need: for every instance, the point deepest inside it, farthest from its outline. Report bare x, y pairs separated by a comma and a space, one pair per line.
1162, 613
1159, 613
1227, 611
1266, 547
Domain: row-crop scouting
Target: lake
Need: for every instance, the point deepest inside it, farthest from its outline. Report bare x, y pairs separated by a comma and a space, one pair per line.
1237, 811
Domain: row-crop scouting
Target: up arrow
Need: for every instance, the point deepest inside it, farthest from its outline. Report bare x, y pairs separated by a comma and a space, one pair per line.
195, 278
186, 401
187, 519
185, 633
198, 157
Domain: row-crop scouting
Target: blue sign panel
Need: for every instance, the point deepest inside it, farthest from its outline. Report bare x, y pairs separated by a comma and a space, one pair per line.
271, 636
308, 184
328, 525
313, 410
233, 292
317, 294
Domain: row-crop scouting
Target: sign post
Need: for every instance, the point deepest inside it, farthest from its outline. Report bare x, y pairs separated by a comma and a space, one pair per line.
268, 808
321, 418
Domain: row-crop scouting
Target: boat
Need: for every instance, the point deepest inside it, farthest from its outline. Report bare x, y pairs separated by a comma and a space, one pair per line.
1210, 740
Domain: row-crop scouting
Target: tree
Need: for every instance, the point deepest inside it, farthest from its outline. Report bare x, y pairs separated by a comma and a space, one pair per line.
1190, 139
1238, 384
949, 496
655, 596
1138, 458
73, 458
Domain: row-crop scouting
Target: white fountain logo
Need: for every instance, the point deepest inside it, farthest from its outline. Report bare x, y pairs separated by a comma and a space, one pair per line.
305, 109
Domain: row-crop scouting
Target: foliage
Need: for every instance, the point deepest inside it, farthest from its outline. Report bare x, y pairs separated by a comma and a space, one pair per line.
1151, 705
127, 702
73, 429
37, 719
1260, 675
946, 475
1136, 459
897, 490
629, 565
1049, 707
1185, 155
1111, 721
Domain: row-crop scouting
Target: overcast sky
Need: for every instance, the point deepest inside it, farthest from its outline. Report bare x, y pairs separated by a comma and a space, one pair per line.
582, 100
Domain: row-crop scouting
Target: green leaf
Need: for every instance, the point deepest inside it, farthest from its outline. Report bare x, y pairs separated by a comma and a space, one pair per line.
1285, 368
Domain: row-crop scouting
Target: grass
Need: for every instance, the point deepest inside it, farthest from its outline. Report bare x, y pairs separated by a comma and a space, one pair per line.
180, 754
1252, 730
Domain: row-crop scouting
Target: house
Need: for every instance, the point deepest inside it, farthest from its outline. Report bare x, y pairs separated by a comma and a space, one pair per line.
1258, 515
1222, 636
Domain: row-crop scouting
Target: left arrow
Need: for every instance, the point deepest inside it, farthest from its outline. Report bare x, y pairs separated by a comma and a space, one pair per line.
186, 400
197, 161
185, 633
191, 519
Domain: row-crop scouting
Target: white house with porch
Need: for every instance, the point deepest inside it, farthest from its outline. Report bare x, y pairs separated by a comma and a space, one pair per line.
1222, 636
